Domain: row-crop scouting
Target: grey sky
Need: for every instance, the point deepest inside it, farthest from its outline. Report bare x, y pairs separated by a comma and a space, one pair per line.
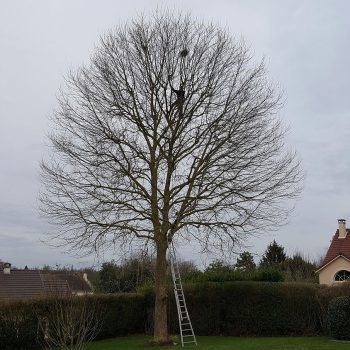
307, 53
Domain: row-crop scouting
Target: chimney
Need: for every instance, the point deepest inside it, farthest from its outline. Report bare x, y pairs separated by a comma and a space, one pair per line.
85, 278
342, 228
7, 268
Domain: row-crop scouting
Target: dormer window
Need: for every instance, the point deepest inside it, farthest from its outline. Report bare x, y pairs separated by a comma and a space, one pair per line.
342, 275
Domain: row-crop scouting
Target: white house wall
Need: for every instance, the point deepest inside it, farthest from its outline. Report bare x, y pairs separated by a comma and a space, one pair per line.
326, 275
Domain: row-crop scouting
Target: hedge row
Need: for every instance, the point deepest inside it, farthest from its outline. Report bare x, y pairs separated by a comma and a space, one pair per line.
231, 308
260, 275
21, 321
252, 309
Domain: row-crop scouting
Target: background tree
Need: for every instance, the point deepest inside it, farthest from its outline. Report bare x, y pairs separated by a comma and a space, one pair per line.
299, 268
218, 266
126, 276
245, 262
170, 132
274, 256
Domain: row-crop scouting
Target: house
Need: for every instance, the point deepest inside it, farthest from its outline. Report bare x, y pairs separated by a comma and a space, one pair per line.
335, 267
27, 283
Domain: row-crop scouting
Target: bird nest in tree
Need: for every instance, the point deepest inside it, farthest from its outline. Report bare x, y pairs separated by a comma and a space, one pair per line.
184, 53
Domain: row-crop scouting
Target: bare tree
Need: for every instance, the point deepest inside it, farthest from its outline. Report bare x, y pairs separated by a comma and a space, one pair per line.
170, 131
72, 323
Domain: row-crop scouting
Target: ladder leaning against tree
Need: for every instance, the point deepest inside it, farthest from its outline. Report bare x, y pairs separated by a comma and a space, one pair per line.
186, 330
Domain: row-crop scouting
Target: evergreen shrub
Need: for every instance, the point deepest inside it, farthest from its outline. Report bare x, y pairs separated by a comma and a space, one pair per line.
339, 318
324, 297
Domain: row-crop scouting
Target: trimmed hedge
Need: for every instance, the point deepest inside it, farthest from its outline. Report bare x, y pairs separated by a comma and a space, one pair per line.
18, 326
339, 318
122, 314
229, 275
229, 308
252, 309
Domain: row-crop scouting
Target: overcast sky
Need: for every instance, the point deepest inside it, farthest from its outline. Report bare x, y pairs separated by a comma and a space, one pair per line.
306, 45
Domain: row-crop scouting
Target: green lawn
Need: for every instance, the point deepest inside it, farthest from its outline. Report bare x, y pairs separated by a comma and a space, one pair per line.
228, 343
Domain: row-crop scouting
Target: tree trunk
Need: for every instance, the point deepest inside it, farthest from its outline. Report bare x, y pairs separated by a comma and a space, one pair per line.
160, 311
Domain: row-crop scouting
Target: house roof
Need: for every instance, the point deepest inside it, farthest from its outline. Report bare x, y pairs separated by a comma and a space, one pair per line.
24, 284
20, 284
338, 247
56, 287
74, 282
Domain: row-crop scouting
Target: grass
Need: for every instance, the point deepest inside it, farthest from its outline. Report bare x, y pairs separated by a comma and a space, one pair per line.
229, 343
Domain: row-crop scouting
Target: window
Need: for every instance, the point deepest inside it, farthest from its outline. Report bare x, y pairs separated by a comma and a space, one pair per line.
342, 275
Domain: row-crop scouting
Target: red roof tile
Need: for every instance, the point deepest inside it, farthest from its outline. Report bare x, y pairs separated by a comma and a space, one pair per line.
339, 246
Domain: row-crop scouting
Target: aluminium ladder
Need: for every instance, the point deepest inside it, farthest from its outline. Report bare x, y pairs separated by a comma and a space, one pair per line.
185, 325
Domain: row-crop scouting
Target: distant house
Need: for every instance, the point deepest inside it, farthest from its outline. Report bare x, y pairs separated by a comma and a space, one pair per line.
335, 267
26, 283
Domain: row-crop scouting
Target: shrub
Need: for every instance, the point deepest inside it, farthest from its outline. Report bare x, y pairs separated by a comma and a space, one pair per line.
71, 323
339, 318
324, 296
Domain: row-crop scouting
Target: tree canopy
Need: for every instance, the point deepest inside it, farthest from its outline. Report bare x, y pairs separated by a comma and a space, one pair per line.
170, 132
245, 262
274, 256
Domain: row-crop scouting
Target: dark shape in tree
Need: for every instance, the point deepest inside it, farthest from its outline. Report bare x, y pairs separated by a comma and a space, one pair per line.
128, 164
245, 262
274, 256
